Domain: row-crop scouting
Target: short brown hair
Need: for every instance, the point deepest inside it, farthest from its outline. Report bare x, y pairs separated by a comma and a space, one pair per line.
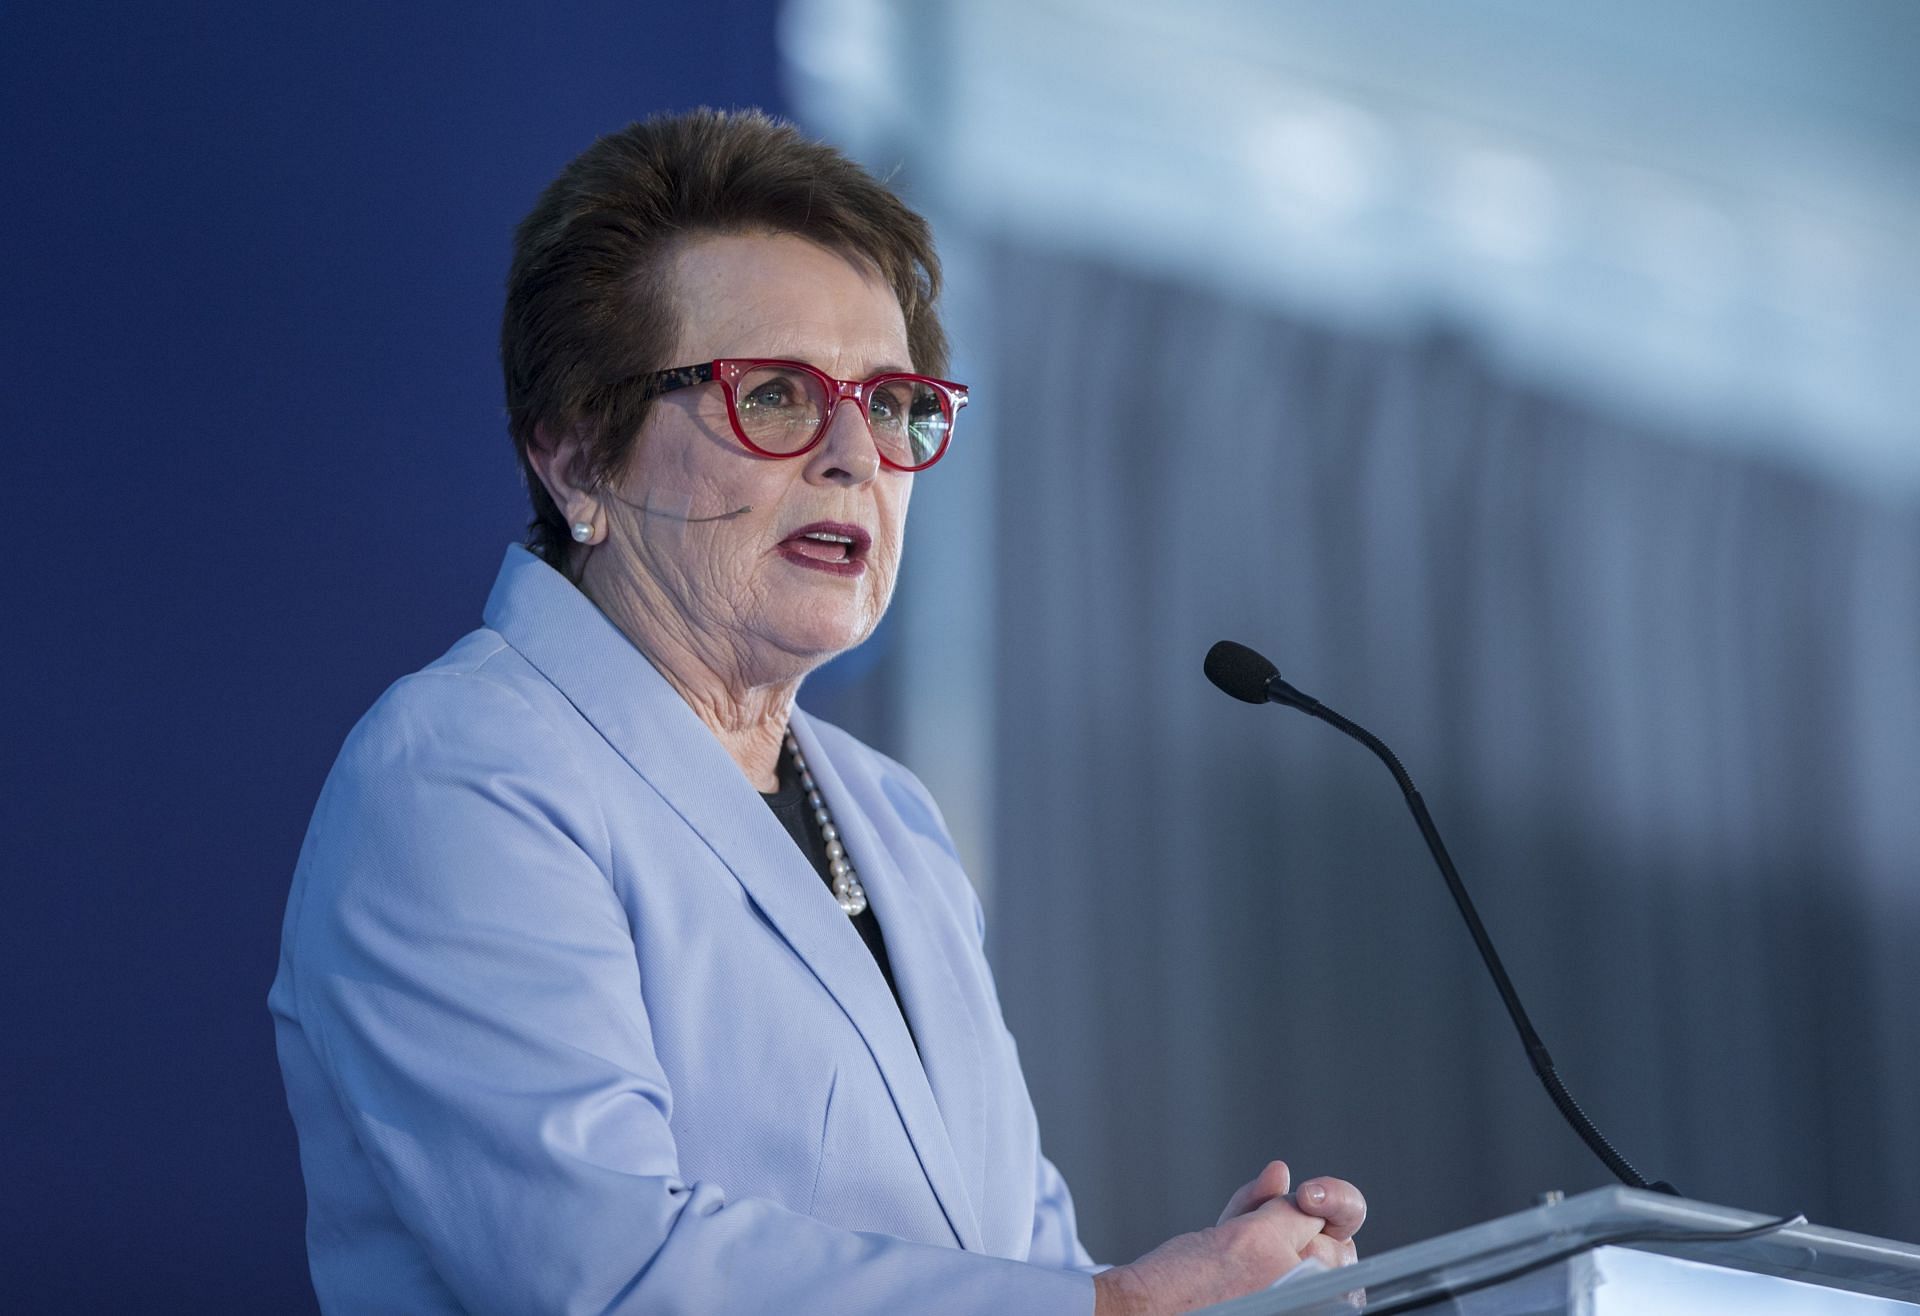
589, 302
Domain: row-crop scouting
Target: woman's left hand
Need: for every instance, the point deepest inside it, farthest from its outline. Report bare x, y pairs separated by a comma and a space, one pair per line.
1334, 1201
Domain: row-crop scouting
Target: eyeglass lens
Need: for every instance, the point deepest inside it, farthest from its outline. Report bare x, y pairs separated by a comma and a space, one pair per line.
780, 410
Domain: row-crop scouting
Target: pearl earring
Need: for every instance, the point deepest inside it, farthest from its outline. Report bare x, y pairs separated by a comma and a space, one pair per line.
582, 531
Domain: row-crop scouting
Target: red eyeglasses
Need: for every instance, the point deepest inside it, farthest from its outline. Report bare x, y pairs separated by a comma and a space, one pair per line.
783, 408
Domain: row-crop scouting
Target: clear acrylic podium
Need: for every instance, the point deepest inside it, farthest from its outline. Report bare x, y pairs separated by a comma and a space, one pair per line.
1558, 1258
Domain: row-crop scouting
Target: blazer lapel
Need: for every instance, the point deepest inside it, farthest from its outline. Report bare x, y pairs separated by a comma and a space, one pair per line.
615, 687
949, 1127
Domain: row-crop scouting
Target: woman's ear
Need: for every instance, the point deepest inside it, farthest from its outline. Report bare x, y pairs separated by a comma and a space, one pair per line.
559, 458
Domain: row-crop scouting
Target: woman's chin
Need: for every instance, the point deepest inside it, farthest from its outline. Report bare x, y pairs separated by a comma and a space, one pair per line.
821, 636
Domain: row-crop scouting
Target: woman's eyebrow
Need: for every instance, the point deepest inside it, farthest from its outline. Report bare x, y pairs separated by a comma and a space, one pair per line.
867, 371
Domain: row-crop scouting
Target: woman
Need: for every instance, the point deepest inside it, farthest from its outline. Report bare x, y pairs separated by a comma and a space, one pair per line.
570, 1018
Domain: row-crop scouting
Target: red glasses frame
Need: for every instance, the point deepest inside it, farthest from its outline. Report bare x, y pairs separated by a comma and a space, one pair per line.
727, 372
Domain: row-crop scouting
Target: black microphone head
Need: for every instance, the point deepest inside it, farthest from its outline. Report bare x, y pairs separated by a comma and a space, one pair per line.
1240, 671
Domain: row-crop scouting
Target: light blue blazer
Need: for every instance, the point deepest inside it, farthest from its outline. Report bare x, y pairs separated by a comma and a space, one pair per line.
569, 1024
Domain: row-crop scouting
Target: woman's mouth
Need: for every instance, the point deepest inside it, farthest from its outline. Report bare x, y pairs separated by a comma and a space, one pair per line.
831, 546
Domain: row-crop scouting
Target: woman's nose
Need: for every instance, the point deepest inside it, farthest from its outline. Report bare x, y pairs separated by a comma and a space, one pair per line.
848, 454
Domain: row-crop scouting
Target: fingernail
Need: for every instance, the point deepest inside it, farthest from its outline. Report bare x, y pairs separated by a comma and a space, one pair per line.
1314, 1193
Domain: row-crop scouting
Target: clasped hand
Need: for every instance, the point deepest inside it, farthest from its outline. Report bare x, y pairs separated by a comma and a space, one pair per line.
1265, 1231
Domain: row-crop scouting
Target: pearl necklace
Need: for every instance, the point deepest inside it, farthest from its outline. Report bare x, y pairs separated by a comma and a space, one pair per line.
846, 883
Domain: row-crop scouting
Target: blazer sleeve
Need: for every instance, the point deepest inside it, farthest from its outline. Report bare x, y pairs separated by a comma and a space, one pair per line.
1056, 1241
466, 978
1056, 1233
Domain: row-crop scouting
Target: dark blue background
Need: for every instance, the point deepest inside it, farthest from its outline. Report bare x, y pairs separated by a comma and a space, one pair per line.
257, 469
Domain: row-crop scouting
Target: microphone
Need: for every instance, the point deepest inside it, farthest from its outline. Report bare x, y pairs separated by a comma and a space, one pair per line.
1253, 678
653, 507
651, 510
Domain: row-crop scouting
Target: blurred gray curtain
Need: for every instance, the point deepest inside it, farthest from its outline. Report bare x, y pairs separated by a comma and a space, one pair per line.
1663, 699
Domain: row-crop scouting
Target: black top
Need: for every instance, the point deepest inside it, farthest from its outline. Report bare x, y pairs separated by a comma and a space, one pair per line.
789, 805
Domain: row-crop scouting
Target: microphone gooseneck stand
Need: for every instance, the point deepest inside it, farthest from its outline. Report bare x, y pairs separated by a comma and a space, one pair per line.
1248, 676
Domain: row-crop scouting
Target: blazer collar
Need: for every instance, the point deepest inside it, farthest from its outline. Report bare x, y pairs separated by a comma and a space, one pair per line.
611, 683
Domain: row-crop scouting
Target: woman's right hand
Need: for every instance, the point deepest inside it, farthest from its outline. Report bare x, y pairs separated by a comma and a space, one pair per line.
1263, 1233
